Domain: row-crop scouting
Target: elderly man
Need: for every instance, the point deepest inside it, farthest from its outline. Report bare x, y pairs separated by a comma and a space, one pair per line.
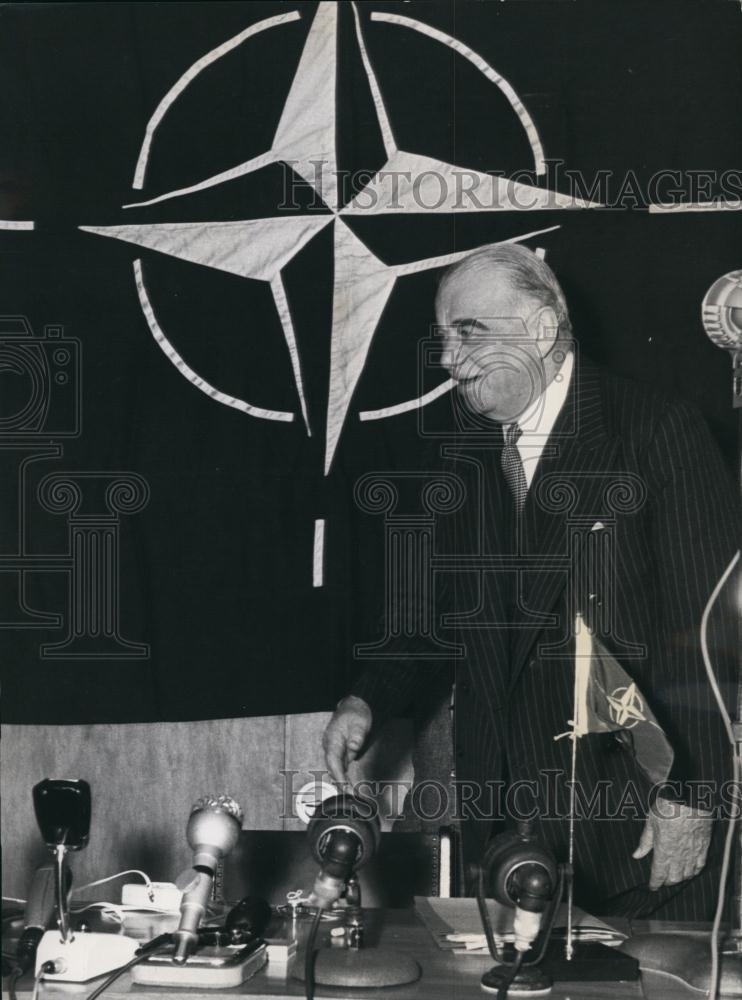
548, 420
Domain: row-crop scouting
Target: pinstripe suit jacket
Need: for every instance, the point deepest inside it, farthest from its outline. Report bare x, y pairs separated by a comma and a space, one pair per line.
631, 518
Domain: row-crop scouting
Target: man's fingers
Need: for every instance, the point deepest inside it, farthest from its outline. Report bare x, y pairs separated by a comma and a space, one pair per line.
646, 842
659, 874
675, 873
679, 846
335, 748
356, 739
345, 735
702, 849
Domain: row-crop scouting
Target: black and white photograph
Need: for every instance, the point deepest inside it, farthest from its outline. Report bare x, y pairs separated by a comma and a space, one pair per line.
371, 499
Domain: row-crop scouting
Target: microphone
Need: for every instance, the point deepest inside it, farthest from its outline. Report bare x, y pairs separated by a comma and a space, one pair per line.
521, 873
249, 918
344, 833
63, 810
721, 315
38, 913
213, 830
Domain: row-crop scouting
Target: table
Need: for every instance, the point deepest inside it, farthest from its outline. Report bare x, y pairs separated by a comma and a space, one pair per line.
445, 976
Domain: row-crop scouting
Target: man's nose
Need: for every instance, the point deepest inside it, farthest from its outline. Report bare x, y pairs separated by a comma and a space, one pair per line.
451, 347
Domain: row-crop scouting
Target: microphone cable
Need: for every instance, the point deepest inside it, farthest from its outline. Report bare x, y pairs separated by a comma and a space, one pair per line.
15, 975
310, 955
150, 948
502, 992
736, 777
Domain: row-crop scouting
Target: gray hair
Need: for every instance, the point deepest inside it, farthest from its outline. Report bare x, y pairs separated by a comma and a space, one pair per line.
525, 270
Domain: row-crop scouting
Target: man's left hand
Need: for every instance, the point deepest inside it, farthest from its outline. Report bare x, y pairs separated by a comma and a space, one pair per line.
679, 839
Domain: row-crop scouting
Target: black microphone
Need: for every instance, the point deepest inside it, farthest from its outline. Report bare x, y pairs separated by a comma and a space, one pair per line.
521, 872
213, 830
63, 811
344, 833
38, 913
249, 918
245, 923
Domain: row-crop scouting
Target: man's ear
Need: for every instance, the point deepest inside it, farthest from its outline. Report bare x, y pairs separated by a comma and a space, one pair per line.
547, 330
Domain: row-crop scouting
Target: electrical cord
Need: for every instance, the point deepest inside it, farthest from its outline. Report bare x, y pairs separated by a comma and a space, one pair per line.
737, 775
502, 992
310, 956
39, 976
110, 878
156, 944
116, 975
15, 975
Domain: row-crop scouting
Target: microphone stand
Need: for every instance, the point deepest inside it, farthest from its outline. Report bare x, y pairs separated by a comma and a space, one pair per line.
355, 965
732, 945
60, 872
721, 314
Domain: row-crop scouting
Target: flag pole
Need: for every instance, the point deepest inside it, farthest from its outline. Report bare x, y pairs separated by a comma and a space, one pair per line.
583, 655
569, 944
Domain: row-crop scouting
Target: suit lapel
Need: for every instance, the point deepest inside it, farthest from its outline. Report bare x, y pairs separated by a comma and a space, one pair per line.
569, 483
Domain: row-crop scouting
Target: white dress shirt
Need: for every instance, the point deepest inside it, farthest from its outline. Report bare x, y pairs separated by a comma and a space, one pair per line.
538, 420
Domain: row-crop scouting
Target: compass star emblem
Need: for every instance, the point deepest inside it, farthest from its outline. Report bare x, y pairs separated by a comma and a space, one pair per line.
261, 248
626, 707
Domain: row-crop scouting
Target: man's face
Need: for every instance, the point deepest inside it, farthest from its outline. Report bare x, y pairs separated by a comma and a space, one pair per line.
495, 337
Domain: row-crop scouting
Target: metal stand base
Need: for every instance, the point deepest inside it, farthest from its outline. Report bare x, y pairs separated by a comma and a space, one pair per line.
366, 968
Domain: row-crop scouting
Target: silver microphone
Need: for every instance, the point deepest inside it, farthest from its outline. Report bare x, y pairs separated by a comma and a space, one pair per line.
213, 830
721, 315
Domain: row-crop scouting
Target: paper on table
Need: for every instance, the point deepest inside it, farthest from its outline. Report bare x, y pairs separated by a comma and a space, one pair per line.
461, 916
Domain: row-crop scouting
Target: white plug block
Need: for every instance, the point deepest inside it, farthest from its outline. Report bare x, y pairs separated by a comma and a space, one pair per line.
164, 895
85, 956
526, 926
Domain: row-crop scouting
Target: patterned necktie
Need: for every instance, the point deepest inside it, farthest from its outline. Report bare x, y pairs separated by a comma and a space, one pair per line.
512, 467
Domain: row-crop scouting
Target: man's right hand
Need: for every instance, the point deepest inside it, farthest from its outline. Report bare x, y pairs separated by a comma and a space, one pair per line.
344, 736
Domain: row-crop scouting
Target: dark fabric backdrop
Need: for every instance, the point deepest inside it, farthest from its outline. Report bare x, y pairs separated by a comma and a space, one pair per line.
216, 571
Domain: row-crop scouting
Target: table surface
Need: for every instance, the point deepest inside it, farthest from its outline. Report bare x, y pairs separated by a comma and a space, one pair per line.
444, 977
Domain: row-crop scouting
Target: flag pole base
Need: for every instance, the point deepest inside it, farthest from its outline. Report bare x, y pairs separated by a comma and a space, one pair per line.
529, 982
591, 962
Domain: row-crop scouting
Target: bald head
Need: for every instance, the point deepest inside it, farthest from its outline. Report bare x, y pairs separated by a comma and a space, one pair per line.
501, 313
517, 270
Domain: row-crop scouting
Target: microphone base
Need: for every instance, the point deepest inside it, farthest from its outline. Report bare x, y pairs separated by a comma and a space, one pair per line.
530, 982
362, 968
86, 956
211, 968
688, 959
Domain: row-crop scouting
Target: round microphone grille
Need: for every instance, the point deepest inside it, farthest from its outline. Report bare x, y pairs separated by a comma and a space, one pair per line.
219, 803
721, 311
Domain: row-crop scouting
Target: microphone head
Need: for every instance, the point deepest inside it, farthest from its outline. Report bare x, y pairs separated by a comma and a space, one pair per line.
213, 828
350, 813
506, 854
721, 312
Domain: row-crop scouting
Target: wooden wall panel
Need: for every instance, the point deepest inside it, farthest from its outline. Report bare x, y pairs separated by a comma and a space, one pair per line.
144, 780
145, 777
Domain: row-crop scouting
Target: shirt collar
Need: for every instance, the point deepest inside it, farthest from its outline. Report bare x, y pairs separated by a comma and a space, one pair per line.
539, 419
